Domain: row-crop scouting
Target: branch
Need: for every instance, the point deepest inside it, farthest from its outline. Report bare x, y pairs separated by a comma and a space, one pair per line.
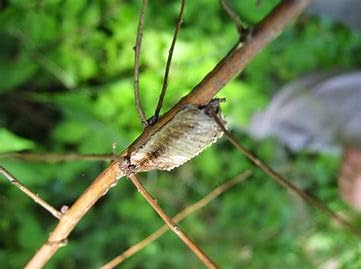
230, 66
73, 215
29, 193
285, 183
179, 217
241, 27
169, 61
137, 47
172, 225
56, 157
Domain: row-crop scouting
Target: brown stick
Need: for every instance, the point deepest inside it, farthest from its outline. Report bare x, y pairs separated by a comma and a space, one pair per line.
231, 65
285, 183
29, 193
72, 216
56, 157
177, 218
137, 47
169, 61
172, 225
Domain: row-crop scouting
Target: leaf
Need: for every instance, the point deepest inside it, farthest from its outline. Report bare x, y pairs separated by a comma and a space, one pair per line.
11, 142
15, 71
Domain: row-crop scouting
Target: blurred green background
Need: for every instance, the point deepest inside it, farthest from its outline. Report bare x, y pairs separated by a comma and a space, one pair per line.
66, 86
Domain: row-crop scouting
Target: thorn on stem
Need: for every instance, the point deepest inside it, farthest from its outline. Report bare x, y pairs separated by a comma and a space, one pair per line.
64, 208
176, 229
60, 243
153, 119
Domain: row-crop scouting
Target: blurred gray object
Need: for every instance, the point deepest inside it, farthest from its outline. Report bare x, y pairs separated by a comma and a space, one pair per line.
344, 11
320, 112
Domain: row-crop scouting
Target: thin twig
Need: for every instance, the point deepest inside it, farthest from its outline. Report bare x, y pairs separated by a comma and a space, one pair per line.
241, 26
171, 224
56, 157
177, 218
29, 193
136, 65
285, 183
169, 61
53, 68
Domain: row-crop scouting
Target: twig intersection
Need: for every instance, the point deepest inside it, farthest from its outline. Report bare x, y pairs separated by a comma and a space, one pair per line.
171, 224
179, 217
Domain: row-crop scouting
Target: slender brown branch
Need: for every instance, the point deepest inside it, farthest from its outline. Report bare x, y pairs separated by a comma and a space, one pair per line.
56, 157
171, 224
314, 201
28, 192
228, 67
177, 218
241, 27
72, 216
137, 48
169, 61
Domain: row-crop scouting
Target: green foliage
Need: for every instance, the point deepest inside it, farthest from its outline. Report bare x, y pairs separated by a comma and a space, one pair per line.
66, 84
12, 142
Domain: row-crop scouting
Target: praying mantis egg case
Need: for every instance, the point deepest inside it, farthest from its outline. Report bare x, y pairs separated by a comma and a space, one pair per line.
186, 135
